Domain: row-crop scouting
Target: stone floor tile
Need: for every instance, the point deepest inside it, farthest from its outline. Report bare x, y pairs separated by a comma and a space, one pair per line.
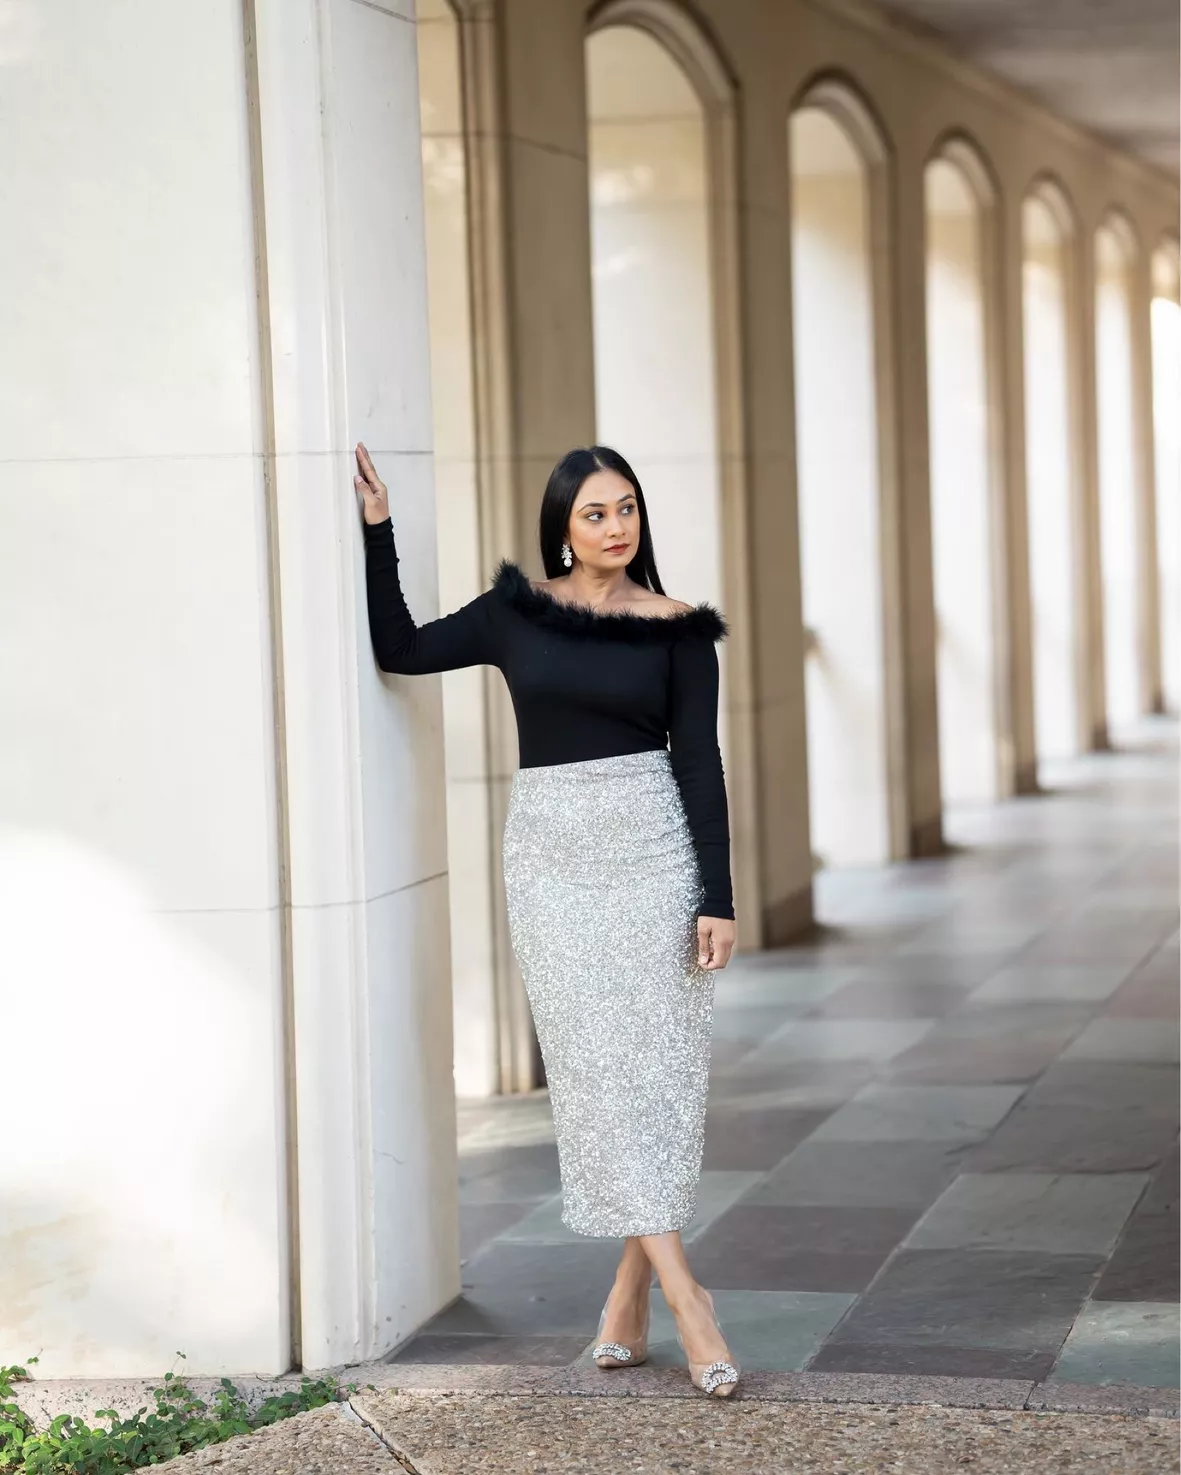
840, 1039
950, 970
932, 1361
878, 999
771, 1247
950, 1060
801, 1085
481, 1222
815, 1270
1051, 980
516, 1290
1125, 1039
1090, 946
1062, 1214
1146, 1265
1144, 996
756, 1139
1008, 1021
464, 1348
964, 940
752, 1025
504, 1122
1151, 1090
508, 1174
889, 1113
1071, 1139
1017, 1301
1122, 1342
862, 1174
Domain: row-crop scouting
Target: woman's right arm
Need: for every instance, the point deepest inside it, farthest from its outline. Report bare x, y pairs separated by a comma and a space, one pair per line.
466, 638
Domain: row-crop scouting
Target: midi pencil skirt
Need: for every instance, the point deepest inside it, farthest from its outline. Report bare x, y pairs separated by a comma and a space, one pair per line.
603, 888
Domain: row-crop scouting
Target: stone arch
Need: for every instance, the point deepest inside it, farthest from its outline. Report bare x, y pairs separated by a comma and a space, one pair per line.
855, 648
693, 50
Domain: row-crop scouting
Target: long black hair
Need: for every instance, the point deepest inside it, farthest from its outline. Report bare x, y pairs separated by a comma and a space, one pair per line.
564, 484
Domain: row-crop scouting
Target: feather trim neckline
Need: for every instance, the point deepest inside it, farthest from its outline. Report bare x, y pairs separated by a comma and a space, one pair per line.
542, 608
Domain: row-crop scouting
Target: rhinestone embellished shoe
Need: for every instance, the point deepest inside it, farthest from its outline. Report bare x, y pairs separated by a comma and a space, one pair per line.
718, 1379
622, 1354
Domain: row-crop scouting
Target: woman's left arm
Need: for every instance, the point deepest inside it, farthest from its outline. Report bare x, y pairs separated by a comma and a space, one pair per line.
697, 764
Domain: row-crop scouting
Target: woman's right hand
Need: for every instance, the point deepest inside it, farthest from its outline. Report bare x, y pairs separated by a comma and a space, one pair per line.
371, 488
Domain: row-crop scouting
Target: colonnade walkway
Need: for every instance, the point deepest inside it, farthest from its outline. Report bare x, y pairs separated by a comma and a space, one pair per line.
942, 1136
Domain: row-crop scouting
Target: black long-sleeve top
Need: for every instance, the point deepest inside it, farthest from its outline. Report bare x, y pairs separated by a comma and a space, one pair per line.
584, 683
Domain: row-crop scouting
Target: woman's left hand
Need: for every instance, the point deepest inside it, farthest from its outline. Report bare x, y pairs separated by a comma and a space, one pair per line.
715, 941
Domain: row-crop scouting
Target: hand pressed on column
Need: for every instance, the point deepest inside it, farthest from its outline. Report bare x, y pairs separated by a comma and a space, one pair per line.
373, 490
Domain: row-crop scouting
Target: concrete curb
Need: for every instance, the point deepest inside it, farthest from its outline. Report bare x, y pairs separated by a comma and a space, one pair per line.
43, 1401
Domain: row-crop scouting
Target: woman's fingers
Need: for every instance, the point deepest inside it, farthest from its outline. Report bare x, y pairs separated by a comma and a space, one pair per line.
715, 942
371, 487
704, 942
368, 471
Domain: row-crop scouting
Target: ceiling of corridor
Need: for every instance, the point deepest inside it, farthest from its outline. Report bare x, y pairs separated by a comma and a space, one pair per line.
1110, 66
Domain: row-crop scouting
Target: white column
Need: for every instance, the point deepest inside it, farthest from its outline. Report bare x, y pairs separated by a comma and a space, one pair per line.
464, 565
142, 1180
223, 865
341, 200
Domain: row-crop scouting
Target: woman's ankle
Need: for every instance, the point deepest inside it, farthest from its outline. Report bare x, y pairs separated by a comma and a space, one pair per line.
687, 1296
631, 1288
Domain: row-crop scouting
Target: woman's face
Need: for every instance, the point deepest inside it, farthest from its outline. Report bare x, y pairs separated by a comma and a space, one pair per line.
604, 528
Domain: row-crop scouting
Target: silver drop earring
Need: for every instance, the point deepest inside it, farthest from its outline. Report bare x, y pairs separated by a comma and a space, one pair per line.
567, 555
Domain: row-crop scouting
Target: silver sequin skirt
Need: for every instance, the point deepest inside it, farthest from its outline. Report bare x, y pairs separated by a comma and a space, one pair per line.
603, 888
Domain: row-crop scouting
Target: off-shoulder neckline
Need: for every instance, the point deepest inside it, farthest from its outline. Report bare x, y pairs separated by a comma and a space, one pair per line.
542, 608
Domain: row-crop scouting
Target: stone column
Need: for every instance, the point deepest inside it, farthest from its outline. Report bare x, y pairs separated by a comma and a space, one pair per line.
338, 195
1018, 736
224, 940
1148, 614
1093, 662
916, 585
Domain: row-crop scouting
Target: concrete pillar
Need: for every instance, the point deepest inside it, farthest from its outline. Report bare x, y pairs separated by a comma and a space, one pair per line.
1019, 739
227, 923
774, 598
467, 555
1093, 664
1148, 583
916, 585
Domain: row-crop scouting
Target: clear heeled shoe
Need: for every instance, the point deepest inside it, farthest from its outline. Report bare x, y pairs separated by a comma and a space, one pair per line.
720, 1378
621, 1354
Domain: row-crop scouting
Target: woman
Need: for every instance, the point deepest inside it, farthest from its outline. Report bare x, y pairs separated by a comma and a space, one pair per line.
616, 864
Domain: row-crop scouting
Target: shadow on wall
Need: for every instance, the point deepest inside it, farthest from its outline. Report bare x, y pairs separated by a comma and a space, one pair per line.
140, 1182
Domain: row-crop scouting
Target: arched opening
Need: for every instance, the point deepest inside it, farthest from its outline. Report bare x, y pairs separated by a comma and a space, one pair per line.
1166, 400
663, 157
960, 223
1119, 522
655, 370
1055, 546
838, 220
469, 820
